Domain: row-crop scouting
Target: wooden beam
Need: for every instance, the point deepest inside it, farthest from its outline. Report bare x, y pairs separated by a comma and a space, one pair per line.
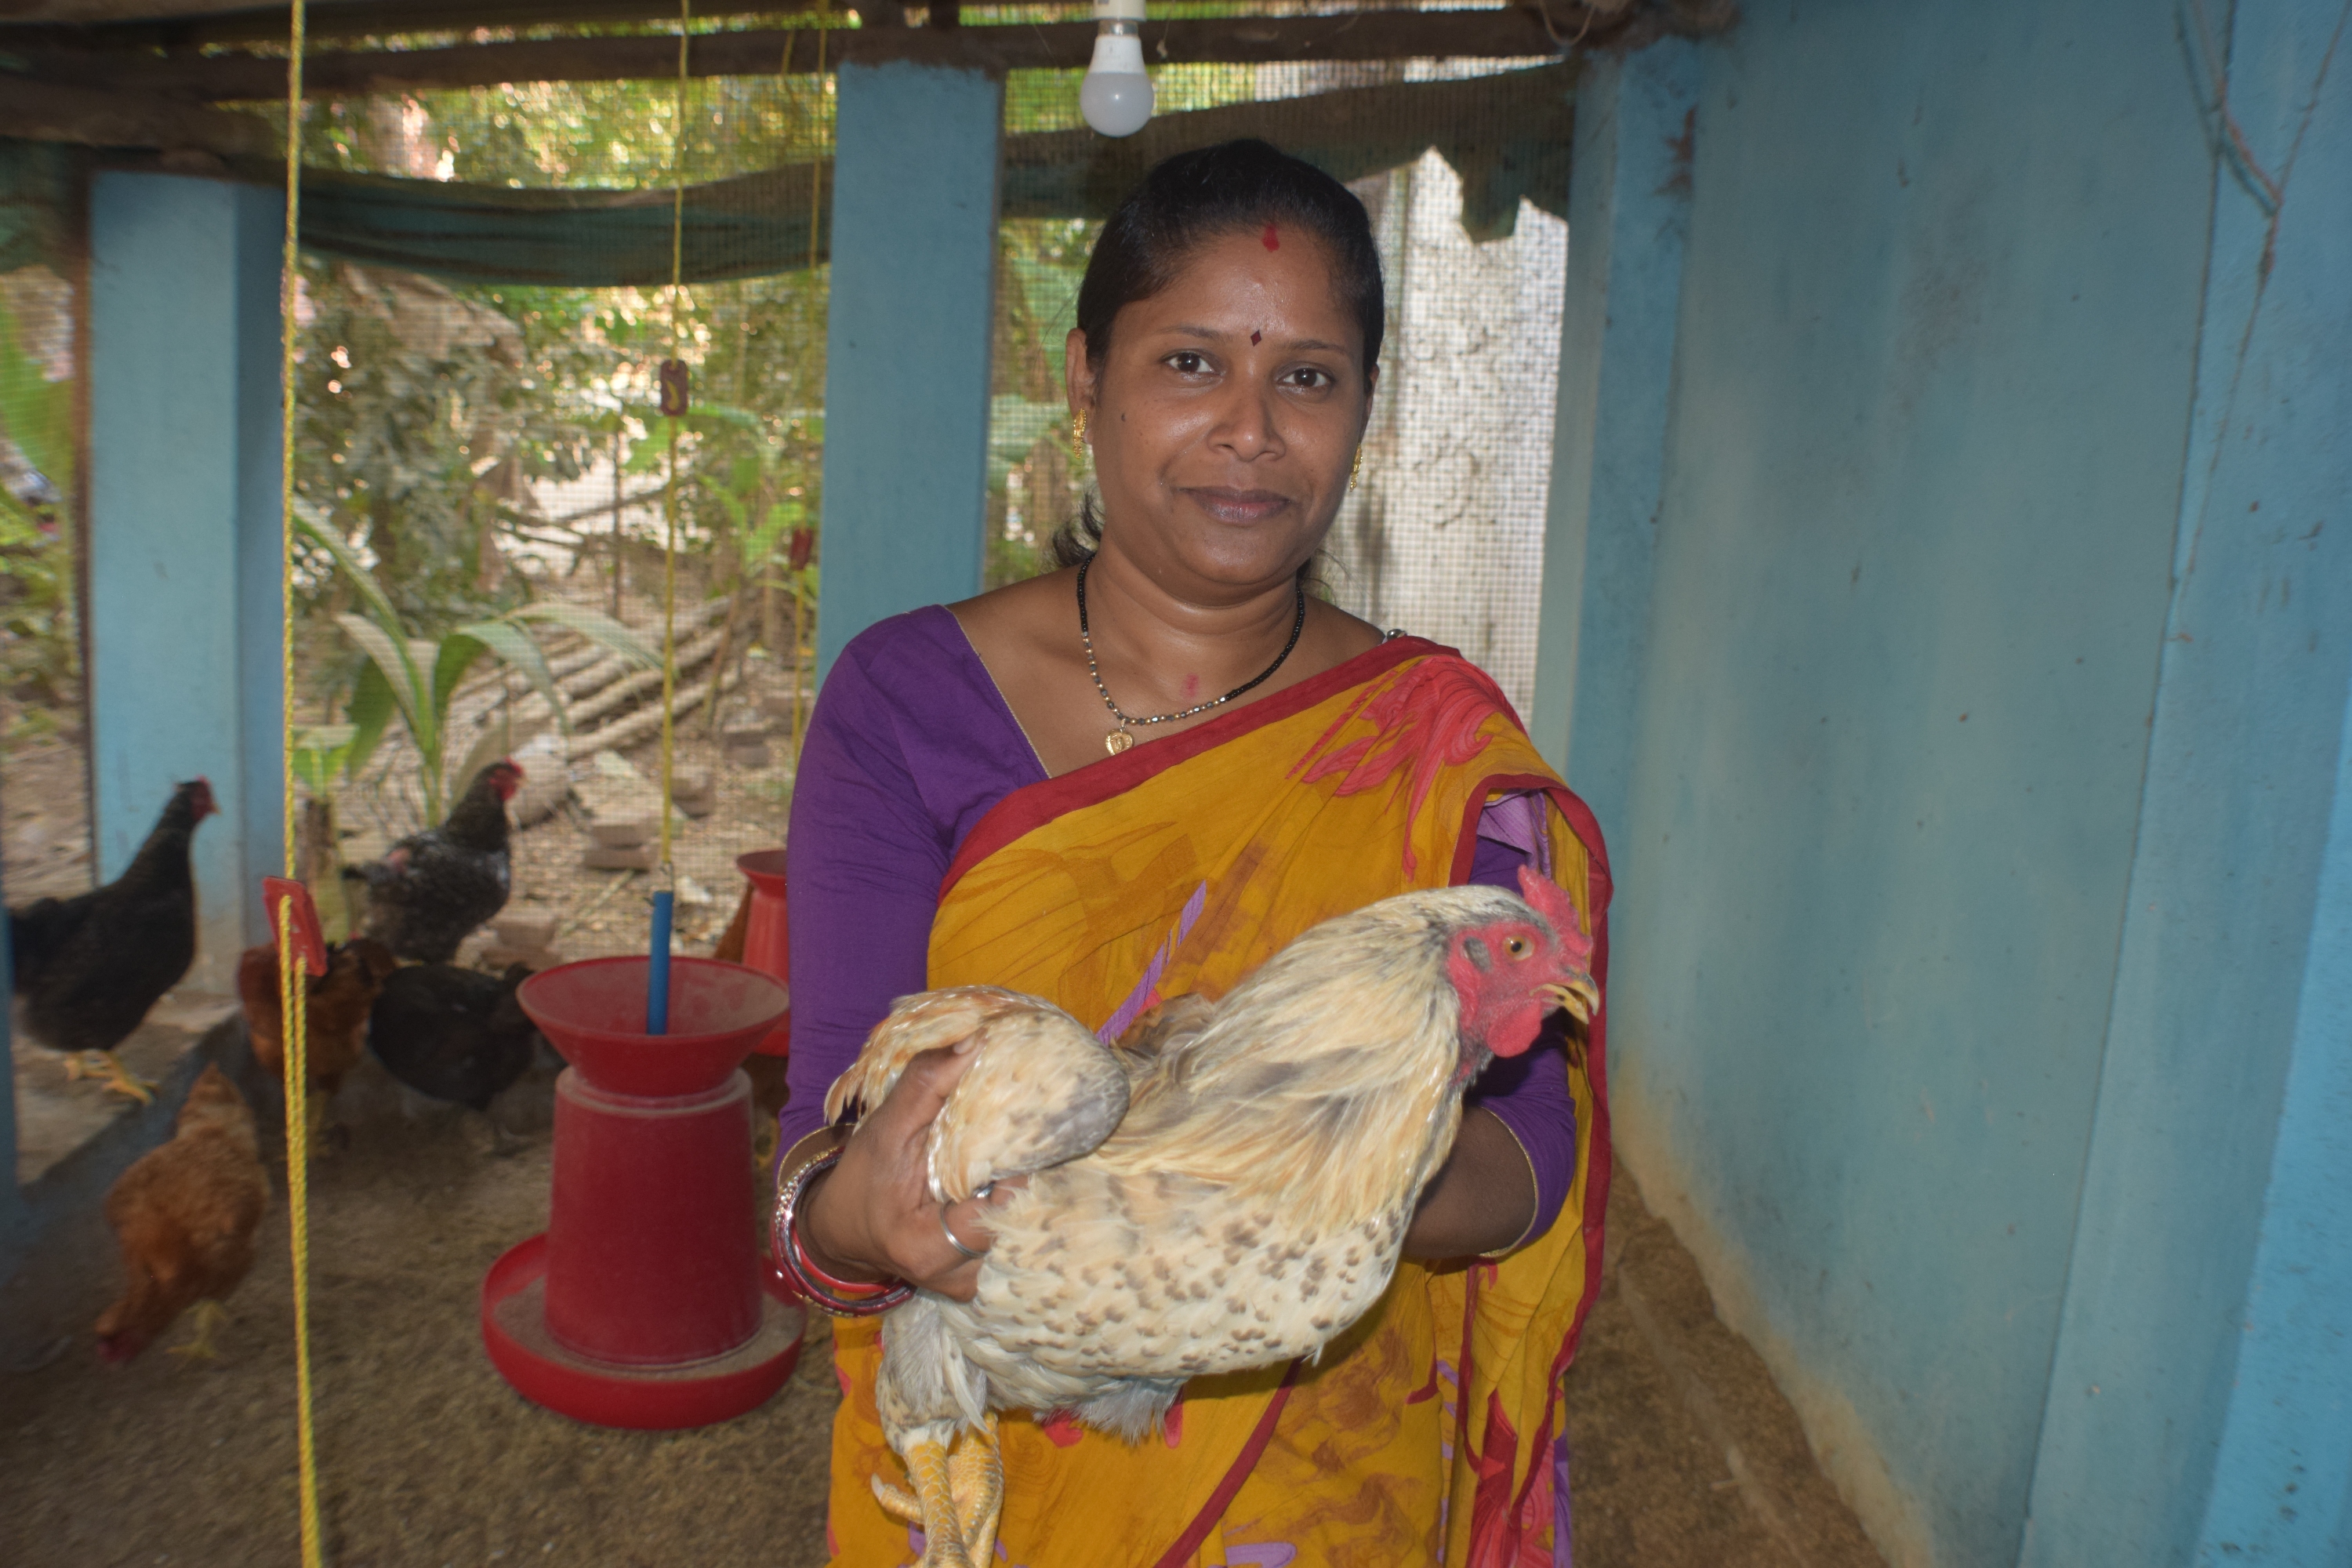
1364, 35
89, 13
61, 22
49, 112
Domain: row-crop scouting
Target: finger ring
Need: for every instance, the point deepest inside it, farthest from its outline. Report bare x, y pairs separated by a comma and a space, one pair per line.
953, 1240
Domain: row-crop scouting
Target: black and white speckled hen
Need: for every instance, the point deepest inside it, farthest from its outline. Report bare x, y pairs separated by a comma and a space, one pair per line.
89, 968
438, 887
1233, 1194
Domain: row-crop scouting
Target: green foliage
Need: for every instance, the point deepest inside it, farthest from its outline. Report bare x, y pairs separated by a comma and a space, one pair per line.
40, 643
1034, 484
416, 678
613, 134
424, 411
751, 447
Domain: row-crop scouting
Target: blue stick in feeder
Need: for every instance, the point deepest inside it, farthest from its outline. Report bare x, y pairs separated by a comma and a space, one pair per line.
658, 971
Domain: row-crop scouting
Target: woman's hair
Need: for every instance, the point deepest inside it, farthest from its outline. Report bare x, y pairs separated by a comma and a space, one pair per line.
1235, 188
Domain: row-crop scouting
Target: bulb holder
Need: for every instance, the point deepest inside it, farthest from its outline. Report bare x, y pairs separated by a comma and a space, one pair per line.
1119, 10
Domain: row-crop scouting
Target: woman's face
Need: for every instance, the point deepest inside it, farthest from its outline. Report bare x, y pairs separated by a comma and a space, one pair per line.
1226, 415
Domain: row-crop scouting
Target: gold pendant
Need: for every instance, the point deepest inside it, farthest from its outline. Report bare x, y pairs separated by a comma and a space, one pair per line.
1117, 741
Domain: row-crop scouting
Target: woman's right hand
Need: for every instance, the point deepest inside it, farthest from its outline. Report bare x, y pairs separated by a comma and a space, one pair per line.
872, 1216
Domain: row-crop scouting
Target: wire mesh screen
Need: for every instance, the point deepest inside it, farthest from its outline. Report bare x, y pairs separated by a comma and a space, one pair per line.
1461, 166
485, 470
47, 850
1444, 536
485, 478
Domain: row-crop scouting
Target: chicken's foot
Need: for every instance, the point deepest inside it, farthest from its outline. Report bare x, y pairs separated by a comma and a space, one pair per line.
976, 1473
206, 1315
106, 1067
957, 1498
932, 1507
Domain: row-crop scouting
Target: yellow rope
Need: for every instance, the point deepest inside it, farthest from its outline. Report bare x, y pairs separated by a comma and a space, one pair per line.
292, 993
816, 217
670, 488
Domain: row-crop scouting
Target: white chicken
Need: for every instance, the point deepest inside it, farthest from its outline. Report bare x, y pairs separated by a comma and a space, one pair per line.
1230, 1189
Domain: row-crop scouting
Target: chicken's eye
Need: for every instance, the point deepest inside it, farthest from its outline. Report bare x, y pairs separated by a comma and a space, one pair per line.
1517, 946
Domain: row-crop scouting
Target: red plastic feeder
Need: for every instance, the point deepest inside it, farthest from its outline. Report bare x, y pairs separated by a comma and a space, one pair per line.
765, 946
645, 1303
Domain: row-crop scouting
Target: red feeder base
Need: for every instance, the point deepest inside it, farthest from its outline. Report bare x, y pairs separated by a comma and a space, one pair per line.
650, 1399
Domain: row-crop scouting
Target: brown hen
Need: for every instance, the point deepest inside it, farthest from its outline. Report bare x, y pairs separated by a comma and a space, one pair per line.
184, 1216
1264, 1153
335, 1015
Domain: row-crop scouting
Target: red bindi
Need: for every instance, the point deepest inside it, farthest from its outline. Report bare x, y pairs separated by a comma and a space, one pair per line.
1255, 338
1270, 239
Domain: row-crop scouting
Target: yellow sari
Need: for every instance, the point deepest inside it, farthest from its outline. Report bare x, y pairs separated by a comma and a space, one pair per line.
1430, 1431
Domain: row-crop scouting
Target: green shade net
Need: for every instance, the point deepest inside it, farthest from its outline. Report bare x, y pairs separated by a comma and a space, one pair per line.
1506, 136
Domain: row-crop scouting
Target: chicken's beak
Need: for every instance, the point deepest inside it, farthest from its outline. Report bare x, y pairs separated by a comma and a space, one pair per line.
1579, 995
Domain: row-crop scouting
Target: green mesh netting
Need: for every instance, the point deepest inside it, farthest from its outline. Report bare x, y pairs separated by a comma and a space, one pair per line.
484, 300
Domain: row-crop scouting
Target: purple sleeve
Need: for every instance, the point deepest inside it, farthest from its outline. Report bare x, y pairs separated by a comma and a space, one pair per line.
1528, 1093
864, 861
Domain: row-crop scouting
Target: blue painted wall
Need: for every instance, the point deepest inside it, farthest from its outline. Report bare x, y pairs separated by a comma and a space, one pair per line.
185, 532
912, 318
1629, 217
1931, 381
2200, 1406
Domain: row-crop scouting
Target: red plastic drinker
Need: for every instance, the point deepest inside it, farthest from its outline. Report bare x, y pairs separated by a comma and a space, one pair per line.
765, 947
645, 1303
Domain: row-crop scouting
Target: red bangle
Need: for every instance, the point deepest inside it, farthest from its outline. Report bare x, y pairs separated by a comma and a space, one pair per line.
842, 1298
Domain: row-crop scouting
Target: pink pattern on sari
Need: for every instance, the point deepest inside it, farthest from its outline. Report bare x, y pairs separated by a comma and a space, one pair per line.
1429, 717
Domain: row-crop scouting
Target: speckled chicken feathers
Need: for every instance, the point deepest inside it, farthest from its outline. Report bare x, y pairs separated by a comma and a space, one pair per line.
1245, 1201
1041, 1088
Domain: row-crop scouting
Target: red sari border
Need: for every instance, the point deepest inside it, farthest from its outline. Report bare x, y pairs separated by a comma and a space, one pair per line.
1223, 1498
1034, 806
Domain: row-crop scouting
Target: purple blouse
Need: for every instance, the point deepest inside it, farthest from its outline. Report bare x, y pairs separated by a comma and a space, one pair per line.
909, 746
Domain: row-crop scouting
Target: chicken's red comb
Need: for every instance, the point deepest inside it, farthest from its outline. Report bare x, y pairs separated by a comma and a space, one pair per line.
309, 943
1548, 898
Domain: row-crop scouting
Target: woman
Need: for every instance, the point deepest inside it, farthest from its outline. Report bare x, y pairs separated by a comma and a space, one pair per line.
1140, 775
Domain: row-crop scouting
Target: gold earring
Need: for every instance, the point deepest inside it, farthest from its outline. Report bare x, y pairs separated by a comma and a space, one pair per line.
1079, 436
1356, 468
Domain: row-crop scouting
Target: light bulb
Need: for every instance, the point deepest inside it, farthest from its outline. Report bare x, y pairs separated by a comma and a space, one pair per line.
1116, 96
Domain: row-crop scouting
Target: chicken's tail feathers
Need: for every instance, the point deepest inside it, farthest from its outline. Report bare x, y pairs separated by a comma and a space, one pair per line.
1132, 1409
926, 1376
34, 932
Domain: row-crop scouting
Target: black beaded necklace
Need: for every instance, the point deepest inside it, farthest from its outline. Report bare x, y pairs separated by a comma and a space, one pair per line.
1121, 738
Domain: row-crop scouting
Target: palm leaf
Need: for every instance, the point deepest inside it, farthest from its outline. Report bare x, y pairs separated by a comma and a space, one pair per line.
391, 656
326, 539
319, 753
454, 656
595, 626
512, 644
369, 712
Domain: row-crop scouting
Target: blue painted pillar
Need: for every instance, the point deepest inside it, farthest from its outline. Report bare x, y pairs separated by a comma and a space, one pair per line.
1629, 206
186, 536
906, 342
2200, 1401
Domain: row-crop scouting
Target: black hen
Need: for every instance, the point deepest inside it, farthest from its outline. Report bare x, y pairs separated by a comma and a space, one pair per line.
89, 968
453, 1034
438, 887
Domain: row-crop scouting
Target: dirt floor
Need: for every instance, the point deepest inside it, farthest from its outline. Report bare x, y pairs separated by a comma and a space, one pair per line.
429, 1458
1683, 1454
45, 789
